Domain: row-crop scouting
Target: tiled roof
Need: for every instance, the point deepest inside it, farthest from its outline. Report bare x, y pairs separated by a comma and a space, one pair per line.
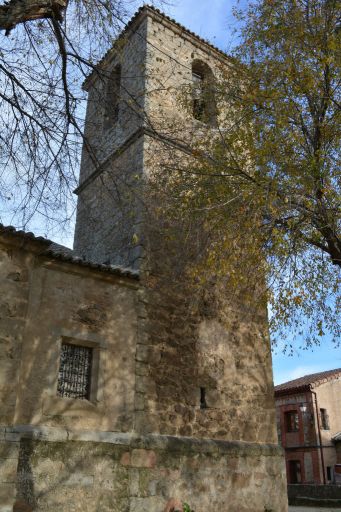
61, 253
153, 10
24, 235
312, 380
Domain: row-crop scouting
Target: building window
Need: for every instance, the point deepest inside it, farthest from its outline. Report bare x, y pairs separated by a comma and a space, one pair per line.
329, 473
204, 106
198, 100
291, 421
295, 475
74, 375
112, 98
203, 404
324, 419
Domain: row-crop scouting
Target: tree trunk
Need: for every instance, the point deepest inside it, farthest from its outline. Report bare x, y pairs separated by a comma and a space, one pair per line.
19, 11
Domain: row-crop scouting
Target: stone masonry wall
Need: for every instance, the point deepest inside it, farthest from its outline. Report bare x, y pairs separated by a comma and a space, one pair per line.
15, 268
195, 340
130, 54
108, 227
109, 205
45, 303
142, 474
203, 363
9, 456
170, 55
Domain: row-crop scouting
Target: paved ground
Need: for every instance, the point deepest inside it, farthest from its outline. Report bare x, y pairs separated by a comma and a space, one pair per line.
313, 509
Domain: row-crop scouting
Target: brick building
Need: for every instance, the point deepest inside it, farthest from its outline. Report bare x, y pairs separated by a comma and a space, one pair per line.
308, 422
119, 391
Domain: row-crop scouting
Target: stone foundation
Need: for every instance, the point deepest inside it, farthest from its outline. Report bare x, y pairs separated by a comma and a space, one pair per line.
101, 472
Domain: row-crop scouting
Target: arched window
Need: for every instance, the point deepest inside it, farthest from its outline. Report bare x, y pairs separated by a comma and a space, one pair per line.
112, 98
204, 106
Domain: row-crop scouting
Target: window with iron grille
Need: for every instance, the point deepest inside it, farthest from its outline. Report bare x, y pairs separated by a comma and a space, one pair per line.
74, 376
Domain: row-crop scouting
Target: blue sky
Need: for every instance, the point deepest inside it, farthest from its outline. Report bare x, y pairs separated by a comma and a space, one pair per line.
210, 19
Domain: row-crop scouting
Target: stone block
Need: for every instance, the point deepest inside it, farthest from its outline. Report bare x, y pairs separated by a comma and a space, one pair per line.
141, 458
125, 459
8, 372
147, 354
145, 385
8, 470
7, 496
134, 482
9, 450
78, 479
149, 504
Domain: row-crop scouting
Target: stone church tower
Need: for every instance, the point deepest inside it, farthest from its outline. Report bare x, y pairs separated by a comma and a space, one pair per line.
152, 392
203, 373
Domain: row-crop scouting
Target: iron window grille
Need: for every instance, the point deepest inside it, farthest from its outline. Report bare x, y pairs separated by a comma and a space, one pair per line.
74, 377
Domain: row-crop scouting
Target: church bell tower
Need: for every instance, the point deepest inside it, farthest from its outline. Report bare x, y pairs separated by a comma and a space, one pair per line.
203, 387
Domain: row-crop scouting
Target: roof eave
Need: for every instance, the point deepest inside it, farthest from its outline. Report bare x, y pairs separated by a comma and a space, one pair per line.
42, 247
292, 391
133, 24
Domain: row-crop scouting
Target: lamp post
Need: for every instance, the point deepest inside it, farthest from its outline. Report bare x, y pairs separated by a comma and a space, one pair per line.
303, 408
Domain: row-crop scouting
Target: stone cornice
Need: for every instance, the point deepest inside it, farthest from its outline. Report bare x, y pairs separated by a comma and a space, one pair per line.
175, 444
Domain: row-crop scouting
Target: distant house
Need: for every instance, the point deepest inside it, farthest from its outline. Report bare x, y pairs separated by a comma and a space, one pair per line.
309, 427
337, 441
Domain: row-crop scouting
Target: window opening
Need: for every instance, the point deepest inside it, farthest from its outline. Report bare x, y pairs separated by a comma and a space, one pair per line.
295, 474
324, 419
74, 375
198, 97
112, 98
329, 473
204, 107
203, 404
291, 421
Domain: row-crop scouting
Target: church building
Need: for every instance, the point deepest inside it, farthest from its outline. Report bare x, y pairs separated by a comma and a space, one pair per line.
123, 387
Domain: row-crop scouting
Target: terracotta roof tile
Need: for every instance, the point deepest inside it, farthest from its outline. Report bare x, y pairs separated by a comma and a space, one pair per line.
312, 380
59, 252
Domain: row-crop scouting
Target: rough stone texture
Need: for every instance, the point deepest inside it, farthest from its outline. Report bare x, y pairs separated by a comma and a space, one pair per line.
62, 304
223, 348
108, 207
108, 211
9, 451
159, 344
95, 476
178, 353
14, 276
